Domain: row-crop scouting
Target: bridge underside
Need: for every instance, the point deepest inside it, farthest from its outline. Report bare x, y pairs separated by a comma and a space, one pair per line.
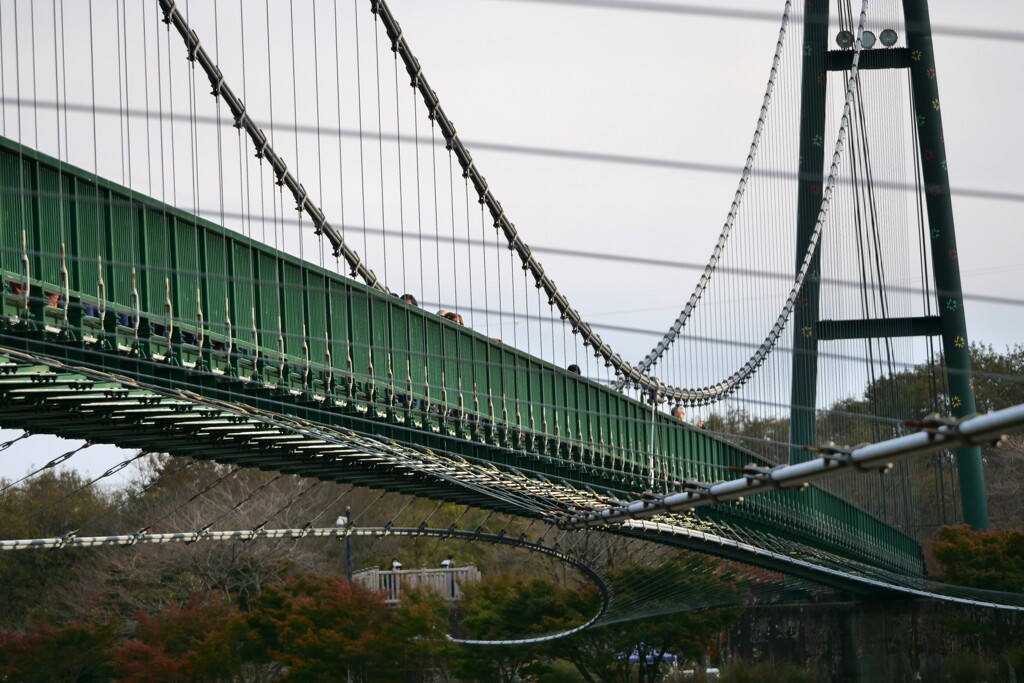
117, 323
43, 395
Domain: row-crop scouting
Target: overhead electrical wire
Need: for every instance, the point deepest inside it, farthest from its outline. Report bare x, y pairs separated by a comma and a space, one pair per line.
521, 149
720, 12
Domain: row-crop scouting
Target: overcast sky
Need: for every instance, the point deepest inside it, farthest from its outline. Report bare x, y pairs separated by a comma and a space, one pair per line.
680, 87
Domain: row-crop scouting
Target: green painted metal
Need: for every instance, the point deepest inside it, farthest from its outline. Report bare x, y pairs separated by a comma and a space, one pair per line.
889, 58
879, 327
919, 58
813, 89
186, 305
946, 268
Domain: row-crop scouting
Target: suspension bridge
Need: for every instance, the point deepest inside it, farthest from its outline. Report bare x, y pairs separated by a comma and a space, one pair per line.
226, 229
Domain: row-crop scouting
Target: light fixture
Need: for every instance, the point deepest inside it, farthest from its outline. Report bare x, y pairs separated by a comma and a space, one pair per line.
867, 40
888, 37
844, 40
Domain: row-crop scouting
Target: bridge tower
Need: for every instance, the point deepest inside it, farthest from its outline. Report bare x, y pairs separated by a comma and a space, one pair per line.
950, 323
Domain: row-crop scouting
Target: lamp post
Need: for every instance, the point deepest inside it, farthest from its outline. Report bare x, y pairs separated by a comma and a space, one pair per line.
346, 522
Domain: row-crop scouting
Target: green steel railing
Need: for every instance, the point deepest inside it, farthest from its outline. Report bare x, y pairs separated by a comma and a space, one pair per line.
102, 276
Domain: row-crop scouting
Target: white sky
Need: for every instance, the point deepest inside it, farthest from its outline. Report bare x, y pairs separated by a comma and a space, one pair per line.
679, 87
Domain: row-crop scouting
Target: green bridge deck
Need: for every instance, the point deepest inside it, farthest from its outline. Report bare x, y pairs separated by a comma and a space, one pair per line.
96, 276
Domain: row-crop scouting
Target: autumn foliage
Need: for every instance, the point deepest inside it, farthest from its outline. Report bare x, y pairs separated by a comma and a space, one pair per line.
982, 559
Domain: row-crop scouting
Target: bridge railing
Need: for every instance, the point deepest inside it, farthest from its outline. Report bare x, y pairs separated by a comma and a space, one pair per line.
95, 272
447, 583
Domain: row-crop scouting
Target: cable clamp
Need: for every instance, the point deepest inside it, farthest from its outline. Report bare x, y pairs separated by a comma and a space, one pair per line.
933, 423
217, 85
832, 452
698, 487
193, 48
170, 8
756, 472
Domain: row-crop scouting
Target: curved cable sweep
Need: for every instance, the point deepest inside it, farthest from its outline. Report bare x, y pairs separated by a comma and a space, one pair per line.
71, 540
303, 202
705, 279
627, 373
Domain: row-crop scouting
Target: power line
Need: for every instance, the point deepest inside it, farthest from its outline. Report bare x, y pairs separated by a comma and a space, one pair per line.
506, 148
755, 15
215, 215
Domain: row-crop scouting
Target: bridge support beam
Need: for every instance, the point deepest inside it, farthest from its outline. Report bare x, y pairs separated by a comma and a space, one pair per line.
814, 76
945, 267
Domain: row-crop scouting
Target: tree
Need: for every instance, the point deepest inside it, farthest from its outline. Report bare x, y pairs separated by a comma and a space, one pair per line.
690, 601
998, 377
508, 607
37, 583
180, 643
919, 494
764, 435
982, 559
1004, 472
417, 633
316, 628
76, 652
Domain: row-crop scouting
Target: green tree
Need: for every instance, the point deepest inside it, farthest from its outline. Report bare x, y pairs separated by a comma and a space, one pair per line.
38, 583
764, 435
417, 633
508, 607
690, 602
998, 377
982, 559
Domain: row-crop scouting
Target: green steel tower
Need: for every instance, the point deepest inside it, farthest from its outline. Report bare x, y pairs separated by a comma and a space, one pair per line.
950, 324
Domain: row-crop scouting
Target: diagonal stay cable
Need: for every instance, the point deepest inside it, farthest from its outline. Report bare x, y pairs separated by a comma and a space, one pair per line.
288, 503
7, 444
196, 53
252, 493
136, 495
110, 472
206, 489
50, 465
